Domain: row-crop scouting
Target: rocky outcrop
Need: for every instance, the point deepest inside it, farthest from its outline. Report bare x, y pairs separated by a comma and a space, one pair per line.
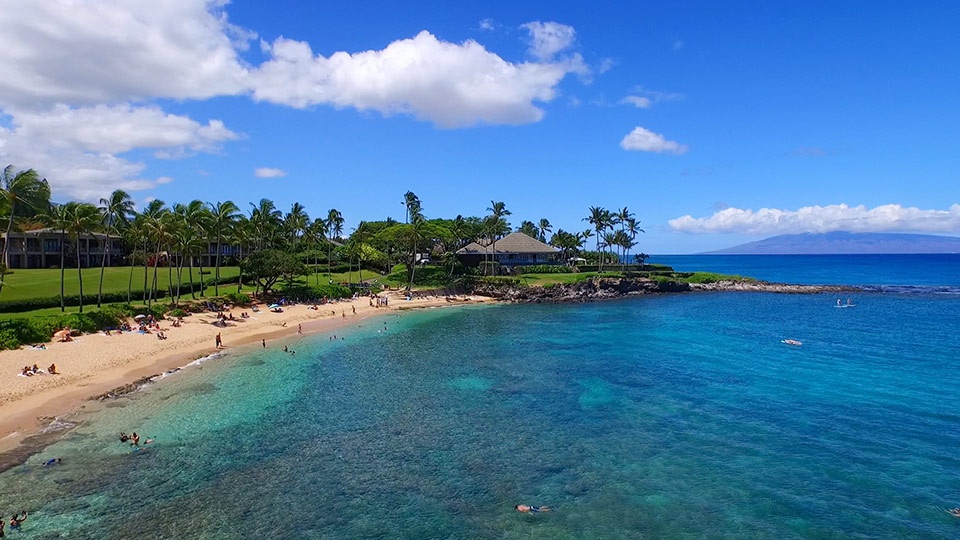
605, 288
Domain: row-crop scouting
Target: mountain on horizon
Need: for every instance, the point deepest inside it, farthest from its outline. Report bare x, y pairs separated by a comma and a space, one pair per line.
833, 243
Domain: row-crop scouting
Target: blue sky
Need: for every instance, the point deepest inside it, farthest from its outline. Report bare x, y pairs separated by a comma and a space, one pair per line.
715, 123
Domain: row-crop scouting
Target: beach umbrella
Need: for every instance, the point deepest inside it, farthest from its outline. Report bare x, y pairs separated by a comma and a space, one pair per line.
272, 306
140, 316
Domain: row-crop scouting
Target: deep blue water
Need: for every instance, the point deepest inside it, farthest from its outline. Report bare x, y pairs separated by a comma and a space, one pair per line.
677, 416
925, 270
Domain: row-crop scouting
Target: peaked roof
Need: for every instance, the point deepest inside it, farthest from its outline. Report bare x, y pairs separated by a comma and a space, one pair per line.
512, 243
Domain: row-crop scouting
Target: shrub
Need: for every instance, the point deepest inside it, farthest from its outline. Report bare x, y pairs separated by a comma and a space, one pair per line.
545, 269
238, 299
175, 313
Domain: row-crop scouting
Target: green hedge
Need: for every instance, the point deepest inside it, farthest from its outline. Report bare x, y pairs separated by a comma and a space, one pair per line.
15, 333
545, 269
500, 280
305, 293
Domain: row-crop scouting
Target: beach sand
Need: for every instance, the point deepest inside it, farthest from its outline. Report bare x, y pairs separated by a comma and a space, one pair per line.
94, 364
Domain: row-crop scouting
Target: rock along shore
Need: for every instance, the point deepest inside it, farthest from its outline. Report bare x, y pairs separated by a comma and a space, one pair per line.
609, 288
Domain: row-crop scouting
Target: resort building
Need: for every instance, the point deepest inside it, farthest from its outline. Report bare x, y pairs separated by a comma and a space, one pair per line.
514, 249
40, 248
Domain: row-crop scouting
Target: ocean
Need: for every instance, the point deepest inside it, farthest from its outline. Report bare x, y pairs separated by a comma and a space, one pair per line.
666, 416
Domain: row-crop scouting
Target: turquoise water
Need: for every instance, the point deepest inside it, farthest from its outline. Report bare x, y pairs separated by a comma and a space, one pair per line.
679, 416
915, 271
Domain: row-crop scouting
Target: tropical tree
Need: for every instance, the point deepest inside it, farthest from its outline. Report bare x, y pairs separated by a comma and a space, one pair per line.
315, 233
82, 218
22, 193
115, 212
601, 219
265, 219
224, 214
529, 228
57, 217
632, 229
144, 223
545, 228
334, 223
496, 222
295, 224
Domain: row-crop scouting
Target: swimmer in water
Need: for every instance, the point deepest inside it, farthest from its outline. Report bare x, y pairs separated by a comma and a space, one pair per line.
529, 509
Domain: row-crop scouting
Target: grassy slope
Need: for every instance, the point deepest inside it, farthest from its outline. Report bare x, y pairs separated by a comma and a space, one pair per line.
44, 283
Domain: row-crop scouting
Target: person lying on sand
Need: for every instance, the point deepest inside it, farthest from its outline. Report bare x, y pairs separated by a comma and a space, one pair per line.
529, 509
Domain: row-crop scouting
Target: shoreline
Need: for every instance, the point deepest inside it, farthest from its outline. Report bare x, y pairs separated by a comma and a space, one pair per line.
95, 365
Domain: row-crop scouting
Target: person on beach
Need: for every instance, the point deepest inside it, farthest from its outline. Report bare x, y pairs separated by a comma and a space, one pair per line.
264, 343
299, 328
219, 341
135, 438
53, 369
529, 509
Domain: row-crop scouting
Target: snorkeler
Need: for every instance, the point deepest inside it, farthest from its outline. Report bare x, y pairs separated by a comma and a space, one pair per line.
529, 509
52, 461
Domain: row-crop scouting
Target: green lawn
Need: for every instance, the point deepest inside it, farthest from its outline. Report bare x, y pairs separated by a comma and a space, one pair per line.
45, 283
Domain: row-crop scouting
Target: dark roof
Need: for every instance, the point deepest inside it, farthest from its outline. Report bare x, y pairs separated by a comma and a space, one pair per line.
512, 243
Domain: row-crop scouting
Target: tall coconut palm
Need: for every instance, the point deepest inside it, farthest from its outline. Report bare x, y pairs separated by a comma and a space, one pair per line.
145, 221
224, 214
115, 212
315, 233
529, 228
82, 218
265, 218
632, 229
497, 211
295, 224
243, 234
21, 192
545, 228
601, 219
57, 217
334, 223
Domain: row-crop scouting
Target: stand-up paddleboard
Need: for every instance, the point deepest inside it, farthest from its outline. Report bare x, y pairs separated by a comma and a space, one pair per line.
793, 342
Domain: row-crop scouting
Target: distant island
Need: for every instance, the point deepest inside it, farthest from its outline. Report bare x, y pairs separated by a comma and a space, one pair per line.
845, 243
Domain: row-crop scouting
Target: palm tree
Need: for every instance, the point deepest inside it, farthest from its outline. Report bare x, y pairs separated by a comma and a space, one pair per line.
334, 225
632, 230
58, 217
315, 233
224, 214
601, 219
243, 234
545, 228
115, 211
295, 223
21, 193
265, 218
144, 222
529, 228
82, 218
497, 211
418, 225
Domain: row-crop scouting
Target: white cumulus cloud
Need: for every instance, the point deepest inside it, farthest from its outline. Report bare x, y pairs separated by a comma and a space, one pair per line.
547, 39
644, 140
269, 172
451, 85
639, 102
84, 53
821, 219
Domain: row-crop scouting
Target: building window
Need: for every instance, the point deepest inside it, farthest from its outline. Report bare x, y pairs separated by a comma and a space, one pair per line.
51, 244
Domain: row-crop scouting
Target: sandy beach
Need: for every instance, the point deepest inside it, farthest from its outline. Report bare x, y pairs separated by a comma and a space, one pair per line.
94, 364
